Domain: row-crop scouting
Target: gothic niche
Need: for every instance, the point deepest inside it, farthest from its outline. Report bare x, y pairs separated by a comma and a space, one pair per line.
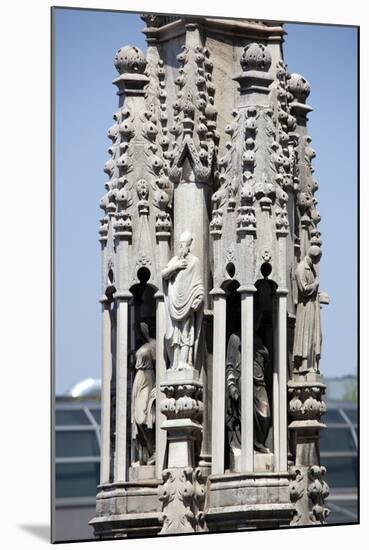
142, 369
263, 354
233, 374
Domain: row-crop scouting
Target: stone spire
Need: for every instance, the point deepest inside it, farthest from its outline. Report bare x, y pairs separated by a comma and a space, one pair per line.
194, 128
305, 183
254, 172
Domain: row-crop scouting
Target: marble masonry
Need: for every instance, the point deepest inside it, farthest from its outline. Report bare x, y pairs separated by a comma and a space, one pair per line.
211, 334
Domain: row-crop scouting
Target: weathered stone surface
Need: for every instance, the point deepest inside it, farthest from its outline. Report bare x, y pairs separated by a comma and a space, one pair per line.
209, 238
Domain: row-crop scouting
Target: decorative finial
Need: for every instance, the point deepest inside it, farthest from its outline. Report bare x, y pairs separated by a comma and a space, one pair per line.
130, 59
256, 57
299, 87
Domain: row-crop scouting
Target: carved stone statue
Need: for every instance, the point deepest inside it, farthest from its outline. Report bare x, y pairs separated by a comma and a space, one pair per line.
233, 393
308, 336
233, 396
143, 398
262, 418
184, 295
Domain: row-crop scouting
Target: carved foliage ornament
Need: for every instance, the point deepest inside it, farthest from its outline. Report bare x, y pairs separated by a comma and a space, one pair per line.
182, 496
297, 489
317, 491
306, 402
182, 401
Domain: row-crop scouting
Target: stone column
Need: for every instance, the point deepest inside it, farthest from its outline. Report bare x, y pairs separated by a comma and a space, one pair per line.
163, 233
276, 444
206, 379
219, 368
122, 297
105, 393
280, 384
131, 368
281, 362
120, 466
247, 378
160, 435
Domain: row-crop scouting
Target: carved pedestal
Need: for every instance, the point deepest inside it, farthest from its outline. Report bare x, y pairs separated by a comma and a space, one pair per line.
183, 490
308, 488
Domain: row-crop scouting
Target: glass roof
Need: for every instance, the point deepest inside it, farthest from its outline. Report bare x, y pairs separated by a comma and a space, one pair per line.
78, 448
333, 416
70, 417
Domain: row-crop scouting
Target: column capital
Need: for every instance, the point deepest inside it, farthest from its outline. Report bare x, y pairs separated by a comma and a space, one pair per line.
246, 289
281, 233
123, 295
281, 291
163, 235
217, 293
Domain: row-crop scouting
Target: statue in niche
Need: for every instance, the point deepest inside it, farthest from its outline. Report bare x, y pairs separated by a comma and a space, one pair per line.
143, 399
262, 417
233, 396
184, 296
264, 308
308, 336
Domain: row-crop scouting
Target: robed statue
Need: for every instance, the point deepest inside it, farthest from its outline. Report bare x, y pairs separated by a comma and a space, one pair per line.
143, 400
308, 336
261, 408
183, 295
233, 397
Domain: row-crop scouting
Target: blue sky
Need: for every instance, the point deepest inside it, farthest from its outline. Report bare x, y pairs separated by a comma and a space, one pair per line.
85, 100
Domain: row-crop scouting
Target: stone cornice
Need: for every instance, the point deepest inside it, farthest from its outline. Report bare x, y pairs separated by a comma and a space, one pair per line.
240, 27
